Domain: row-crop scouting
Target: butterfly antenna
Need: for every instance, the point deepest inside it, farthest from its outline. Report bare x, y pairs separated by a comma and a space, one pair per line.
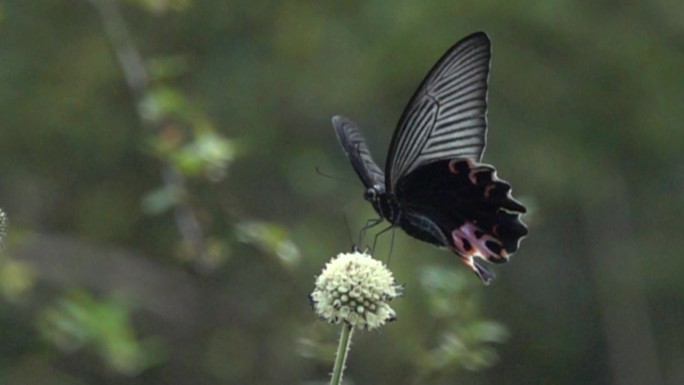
331, 176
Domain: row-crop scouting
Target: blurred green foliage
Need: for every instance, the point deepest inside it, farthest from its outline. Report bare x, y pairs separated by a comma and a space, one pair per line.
78, 321
158, 163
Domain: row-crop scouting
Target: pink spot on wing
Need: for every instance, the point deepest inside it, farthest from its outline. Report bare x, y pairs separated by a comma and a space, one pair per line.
468, 243
452, 166
488, 190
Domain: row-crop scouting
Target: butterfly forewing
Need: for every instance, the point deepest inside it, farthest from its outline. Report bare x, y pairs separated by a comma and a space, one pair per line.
354, 145
446, 117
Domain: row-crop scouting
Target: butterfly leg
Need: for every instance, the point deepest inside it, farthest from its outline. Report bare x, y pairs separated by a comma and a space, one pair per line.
369, 224
375, 239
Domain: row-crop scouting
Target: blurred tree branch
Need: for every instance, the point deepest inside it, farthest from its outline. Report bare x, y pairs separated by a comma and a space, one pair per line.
131, 61
138, 80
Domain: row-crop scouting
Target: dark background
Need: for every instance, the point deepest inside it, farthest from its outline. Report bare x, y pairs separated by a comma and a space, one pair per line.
158, 166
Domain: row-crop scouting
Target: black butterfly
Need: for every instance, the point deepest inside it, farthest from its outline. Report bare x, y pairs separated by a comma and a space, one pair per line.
433, 186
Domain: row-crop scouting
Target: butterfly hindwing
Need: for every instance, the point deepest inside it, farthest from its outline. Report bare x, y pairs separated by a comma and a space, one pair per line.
469, 204
446, 117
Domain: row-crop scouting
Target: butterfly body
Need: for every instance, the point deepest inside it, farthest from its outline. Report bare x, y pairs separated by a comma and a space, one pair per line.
434, 186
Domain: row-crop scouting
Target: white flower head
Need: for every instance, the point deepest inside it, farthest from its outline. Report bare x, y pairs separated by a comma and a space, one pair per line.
355, 288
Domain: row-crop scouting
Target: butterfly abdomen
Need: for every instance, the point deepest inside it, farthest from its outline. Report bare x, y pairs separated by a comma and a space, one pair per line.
423, 228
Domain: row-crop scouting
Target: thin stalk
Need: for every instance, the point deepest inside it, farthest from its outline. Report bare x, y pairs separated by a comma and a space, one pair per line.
342, 351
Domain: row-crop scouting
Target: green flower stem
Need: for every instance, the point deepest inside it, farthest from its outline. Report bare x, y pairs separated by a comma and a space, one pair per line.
342, 351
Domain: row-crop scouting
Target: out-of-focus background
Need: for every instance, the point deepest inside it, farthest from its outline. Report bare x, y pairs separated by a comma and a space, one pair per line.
158, 166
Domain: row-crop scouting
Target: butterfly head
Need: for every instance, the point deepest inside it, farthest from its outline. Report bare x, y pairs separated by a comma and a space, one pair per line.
373, 193
381, 202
